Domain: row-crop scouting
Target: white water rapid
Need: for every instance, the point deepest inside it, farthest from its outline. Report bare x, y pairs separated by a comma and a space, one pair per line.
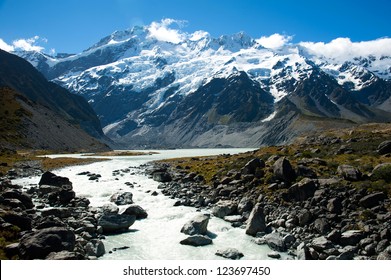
156, 237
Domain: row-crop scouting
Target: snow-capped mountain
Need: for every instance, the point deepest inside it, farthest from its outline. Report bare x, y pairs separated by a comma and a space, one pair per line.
164, 87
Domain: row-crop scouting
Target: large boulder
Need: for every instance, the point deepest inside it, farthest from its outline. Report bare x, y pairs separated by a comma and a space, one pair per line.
276, 241
17, 219
302, 190
161, 176
351, 237
283, 170
39, 244
196, 240
384, 147
349, 172
382, 172
256, 221
372, 200
95, 248
115, 223
245, 205
22, 197
224, 208
49, 178
251, 167
135, 210
197, 225
122, 198
230, 253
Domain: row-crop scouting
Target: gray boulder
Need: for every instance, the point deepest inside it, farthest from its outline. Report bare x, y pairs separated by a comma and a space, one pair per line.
22, 197
95, 248
39, 244
230, 253
334, 205
197, 225
135, 210
372, 200
321, 243
64, 255
303, 252
122, 198
302, 190
196, 240
283, 170
110, 209
349, 172
224, 208
275, 241
256, 221
382, 172
245, 205
115, 223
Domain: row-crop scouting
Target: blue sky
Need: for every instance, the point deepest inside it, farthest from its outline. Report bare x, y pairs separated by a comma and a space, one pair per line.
74, 25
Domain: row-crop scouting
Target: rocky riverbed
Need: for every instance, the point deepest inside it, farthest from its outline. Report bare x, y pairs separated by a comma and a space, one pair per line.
326, 197
49, 221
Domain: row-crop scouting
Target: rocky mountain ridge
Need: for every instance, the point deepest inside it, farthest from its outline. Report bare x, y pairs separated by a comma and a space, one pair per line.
136, 81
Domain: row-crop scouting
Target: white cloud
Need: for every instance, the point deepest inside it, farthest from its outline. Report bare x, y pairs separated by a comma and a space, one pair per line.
162, 32
274, 41
198, 35
4, 46
28, 44
342, 49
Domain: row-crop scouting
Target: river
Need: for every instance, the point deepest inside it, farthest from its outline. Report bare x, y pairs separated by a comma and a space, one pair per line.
156, 237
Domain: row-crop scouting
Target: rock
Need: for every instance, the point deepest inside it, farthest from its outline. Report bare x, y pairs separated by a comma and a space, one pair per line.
64, 255
351, 237
321, 243
196, 240
59, 212
256, 221
49, 221
233, 218
385, 255
51, 179
382, 172
18, 219
302, 190
274, 255
230, 253
197, 226
385, 234
224, 208
22, 197
161, 176
95, 248
347, 253
252, 166
110, 209
372, 200
384, 147
275, 241
306, 172
122, 198
135, 210
283, 170
11, 250
304, 216
39, 244
322, 226
303, 252
115, 223
65, 196
334, 236
334, 205
349, 173
245, 205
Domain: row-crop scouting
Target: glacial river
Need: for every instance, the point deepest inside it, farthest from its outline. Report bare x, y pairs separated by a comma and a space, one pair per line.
158, 236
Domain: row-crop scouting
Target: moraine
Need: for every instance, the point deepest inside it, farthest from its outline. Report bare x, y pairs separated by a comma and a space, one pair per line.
158, 236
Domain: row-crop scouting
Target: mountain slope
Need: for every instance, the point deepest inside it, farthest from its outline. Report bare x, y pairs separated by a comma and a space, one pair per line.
202, 91
41, 115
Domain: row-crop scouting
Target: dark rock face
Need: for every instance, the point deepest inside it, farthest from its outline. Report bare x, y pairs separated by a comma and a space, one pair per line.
197, 226
161, 176
196, 240
22, 197
283, 170
303, 190
256, 221
37, 245
230, 253
252, 165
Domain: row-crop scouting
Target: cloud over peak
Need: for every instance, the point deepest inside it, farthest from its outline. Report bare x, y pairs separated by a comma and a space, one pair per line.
30, 44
